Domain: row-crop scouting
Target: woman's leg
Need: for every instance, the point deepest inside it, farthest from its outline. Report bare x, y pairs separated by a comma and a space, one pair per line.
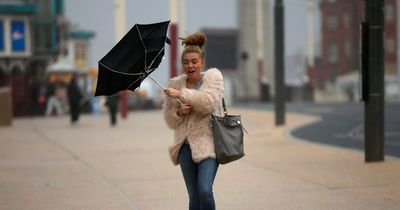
207, 169
189, 171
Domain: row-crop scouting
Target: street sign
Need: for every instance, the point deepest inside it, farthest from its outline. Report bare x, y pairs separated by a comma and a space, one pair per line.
17, 36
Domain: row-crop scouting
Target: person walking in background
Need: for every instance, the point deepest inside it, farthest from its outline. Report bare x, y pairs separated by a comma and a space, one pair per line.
74, 98
52, 100
112, 106
192, 98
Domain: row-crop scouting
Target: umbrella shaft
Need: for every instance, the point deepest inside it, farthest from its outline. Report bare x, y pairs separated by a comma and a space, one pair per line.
162, 86
156, 82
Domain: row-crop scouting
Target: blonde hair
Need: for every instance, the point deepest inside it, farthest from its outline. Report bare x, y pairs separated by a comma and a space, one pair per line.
194, 43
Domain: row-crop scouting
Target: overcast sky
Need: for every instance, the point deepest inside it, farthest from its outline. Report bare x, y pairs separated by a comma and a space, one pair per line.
98, 16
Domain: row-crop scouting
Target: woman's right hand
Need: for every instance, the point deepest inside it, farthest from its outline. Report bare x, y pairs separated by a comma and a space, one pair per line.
173, 93
184, 109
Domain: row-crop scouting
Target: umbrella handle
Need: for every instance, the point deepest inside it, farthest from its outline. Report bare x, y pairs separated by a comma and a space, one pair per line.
179, 101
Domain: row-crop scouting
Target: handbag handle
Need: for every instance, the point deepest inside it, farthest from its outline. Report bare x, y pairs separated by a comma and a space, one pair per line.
226, 113
223, 106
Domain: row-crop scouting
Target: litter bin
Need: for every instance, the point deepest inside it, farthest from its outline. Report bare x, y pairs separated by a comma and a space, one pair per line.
265, 97
5, 106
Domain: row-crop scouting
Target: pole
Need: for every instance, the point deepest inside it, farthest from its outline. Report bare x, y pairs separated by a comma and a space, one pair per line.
374, 101
182, 30
120, 29
279, 64
174, 38
310, 33
398, 48
173, 68
260, 44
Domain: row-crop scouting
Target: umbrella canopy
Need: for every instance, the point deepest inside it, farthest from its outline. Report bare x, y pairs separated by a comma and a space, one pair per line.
132, 59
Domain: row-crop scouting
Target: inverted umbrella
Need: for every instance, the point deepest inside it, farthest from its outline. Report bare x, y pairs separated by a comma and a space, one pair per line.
132, 59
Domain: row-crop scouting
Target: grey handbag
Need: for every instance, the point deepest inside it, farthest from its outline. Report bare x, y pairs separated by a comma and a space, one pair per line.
228, 136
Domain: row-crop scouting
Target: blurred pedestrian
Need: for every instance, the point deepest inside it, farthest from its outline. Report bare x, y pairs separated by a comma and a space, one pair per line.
192, 98
53, 101
112, 106
74, 98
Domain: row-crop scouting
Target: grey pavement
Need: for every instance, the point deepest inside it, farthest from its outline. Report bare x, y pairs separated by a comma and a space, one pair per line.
47, 164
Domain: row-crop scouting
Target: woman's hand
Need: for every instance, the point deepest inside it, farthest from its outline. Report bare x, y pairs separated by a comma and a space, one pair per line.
173, 93
184, 109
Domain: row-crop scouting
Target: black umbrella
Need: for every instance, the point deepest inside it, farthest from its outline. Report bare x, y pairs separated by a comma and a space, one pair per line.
132, 59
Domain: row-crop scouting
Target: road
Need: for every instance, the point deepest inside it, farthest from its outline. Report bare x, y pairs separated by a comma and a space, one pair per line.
342, 124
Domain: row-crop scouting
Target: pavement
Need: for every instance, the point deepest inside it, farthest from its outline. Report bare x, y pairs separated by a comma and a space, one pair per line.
48, 164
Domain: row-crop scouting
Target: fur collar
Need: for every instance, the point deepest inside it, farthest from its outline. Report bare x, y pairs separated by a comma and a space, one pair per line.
180, 81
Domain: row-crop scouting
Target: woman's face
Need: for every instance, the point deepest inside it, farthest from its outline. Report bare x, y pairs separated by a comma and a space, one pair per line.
192, 64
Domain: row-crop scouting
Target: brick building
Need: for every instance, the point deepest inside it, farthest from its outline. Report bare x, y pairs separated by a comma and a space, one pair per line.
340, 40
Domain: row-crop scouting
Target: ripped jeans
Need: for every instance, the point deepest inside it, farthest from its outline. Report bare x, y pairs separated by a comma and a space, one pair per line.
199, 179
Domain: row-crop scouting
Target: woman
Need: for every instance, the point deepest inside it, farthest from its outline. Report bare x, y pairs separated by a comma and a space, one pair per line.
192, 97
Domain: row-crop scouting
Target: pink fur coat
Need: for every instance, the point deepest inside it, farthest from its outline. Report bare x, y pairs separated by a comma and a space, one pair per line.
195, 127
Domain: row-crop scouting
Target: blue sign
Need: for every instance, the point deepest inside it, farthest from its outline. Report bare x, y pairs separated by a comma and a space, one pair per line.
17, 36
1, 36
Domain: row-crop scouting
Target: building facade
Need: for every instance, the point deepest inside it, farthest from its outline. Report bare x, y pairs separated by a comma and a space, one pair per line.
16, 51
33, 35
256, 57
341, 39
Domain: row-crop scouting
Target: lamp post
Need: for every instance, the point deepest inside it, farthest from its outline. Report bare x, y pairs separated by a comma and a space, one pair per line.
173, 29
374, 79
120, 29
280, 95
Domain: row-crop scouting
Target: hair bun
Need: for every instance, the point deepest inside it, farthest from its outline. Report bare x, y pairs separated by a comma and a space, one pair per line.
197, 39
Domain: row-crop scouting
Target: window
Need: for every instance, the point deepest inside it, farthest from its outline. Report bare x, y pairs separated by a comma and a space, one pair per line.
389, 13
17, 36
389, 45
346, 47
332, 53
80, 54
331, 22
346, 20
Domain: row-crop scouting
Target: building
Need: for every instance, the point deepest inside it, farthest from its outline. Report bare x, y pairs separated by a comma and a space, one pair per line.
222, 51
74, 59
255, 79
33, 35
339, 64
16, 50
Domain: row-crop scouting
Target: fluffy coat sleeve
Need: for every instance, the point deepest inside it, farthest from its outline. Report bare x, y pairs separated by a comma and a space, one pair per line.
171, 105
170, 113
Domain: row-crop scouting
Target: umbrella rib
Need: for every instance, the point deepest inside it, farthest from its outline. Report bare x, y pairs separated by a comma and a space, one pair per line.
144, 46
159, 52
139, 78
110, 69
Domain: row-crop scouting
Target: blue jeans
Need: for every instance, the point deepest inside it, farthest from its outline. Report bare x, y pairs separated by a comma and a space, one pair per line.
199, 179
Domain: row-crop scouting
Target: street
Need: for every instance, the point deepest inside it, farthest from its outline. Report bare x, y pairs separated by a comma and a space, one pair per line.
47, 164
342, 124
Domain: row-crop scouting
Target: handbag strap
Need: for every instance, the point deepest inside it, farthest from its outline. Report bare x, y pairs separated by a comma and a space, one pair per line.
226, 113
223, 106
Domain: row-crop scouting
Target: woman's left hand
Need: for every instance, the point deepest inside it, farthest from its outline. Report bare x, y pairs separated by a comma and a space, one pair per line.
173, 93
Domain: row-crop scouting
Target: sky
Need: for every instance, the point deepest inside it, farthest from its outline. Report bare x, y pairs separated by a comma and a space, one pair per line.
98, 16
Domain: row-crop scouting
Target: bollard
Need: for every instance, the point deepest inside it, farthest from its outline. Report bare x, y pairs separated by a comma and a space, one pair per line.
5, 106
